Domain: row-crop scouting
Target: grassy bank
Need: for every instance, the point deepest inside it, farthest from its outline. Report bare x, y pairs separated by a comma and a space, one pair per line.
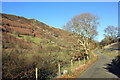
78, 68
111, 50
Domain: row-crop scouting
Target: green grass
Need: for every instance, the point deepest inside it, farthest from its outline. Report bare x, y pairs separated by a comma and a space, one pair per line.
71, 69
109, 50
30, 38
111, 54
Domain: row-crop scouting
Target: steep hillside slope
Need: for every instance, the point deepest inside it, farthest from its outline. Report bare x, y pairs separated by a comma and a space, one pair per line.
31, 27
28, 43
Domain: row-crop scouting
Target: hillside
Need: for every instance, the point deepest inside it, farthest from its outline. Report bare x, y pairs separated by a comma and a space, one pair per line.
113, 51
113, 46
29, 43
21, 28
30, 27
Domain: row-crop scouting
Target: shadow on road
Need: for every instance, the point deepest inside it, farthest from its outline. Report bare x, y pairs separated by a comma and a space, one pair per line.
114, 66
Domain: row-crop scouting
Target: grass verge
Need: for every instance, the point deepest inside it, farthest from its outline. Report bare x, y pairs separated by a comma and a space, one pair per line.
75, 72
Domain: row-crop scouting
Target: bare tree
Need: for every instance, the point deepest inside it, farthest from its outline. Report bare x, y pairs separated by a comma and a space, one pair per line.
84, 26
111, 31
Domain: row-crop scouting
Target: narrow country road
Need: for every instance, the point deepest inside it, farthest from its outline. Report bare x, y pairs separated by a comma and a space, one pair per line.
98, 69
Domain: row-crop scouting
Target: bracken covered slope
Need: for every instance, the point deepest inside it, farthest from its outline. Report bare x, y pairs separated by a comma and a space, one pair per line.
29, 43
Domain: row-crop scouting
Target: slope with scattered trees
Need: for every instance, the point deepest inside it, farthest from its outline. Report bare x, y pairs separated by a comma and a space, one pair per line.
28, 43
111, 47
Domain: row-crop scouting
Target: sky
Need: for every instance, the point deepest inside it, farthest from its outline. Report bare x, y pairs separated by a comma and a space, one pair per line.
57, 14
60, 0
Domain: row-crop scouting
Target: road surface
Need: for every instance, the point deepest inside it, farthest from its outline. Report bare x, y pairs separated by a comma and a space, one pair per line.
98, 69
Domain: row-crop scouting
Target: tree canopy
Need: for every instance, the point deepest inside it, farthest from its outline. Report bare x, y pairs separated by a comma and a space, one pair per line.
111, 31
84, 26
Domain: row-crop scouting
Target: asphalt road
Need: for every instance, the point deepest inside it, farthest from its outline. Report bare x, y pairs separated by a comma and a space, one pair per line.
98, 69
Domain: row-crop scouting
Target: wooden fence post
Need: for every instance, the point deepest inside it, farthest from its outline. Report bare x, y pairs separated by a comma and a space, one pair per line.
71, 64
59, 69
79, 62
36, 72
84, 60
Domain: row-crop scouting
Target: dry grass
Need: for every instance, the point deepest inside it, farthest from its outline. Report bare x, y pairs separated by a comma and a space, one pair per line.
76, 70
